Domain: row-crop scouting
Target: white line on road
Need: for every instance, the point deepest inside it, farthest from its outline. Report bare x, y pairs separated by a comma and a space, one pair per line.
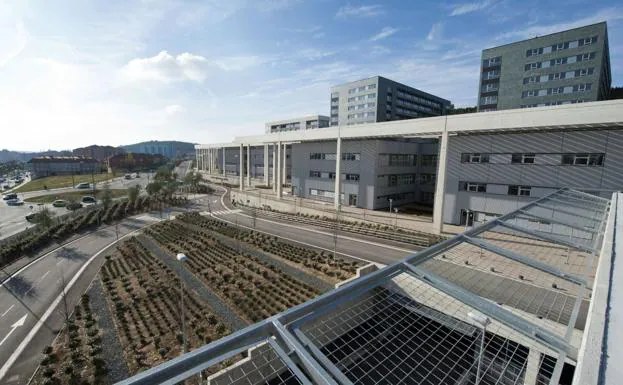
17, 324
20, 348
44, 275
7, 310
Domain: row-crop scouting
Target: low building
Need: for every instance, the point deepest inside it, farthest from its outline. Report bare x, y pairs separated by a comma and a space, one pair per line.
100, 153
302, 123
131, 162
171, 148
62, 165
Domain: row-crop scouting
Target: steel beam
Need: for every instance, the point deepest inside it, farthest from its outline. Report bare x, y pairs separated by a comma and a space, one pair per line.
337, 373
496, 312
319, 375
289, 363
547, 237
567, 212
573, 225
571, 201
525, 260
586, 195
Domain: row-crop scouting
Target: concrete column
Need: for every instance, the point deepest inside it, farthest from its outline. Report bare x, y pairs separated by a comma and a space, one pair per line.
441, 183
275, 167
241, 173
266, 165
532, 367
338, 179
223, 161
248, 165
278, 171
207, 160
285, 165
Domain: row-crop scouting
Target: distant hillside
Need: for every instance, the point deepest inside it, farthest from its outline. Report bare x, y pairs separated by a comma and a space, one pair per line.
6, 155
169, 148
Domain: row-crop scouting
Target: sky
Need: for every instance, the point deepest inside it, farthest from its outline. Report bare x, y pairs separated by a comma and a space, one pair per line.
75, 73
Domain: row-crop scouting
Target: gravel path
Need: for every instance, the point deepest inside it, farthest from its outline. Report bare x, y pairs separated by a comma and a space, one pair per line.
223, 311
302, 276
112, 351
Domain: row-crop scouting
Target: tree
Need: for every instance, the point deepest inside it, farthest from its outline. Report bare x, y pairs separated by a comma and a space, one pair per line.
45, 218
106, 197
154, 188
134, 192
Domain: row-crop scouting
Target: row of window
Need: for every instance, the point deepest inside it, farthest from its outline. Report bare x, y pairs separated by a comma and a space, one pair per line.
492, 61
407, 103
397, 160
323, 193
558, 76
562, 46
414, 98
361, 106
565, 159
557, 90
556, 103
360, 115
331, 156
331, 175
397, 197
515, 190
362, 88
361, 97
560, 61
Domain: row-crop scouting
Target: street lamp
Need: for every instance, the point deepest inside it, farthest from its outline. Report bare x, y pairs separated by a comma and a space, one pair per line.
390, 204
483, 321
396, 223
182, 258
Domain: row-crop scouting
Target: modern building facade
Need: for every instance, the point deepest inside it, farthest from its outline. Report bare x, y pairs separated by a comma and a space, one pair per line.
302, 123
43, 166
378, 99
561, 68
170, 149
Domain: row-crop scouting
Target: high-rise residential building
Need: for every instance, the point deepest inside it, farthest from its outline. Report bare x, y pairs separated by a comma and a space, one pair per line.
301, 123
561, 68
378, 99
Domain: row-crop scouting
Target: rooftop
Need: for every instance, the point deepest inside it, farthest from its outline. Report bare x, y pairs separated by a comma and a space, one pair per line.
421, 320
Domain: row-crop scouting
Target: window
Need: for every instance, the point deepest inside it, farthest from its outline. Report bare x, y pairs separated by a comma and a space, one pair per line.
474, 158
529, 94
559, 47
472, 187
522, 158
559, 61
519, 190
556, 76
587, 41
351, 156
351, 177
321, 156
428, 178
531, 80
534, 52
427, 196
314, 174
586, 56
557, 90
489, 100
371, 86
429, 160
582, 159
532, 66
371, 96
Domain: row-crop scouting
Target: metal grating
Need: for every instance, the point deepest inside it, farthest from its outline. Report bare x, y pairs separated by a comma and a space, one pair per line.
410, 323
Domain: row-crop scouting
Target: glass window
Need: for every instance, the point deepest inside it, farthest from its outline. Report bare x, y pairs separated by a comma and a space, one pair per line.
581, 159
567, 159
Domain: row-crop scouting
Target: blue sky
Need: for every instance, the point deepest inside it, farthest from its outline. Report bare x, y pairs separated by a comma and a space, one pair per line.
77, 72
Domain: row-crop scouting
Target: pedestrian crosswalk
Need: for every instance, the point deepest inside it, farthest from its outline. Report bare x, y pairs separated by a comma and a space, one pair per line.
222, 212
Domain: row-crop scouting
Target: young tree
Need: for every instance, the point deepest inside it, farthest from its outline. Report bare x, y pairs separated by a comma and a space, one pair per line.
45, 218
133, 193
106, 197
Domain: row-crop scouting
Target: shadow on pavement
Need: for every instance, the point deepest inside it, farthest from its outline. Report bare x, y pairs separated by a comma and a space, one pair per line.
21, 287
71, 254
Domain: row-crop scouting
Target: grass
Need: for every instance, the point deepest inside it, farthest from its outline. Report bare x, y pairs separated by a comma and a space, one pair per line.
75, 195
53, 182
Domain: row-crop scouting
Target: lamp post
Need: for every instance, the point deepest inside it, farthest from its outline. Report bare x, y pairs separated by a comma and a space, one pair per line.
182, 258
390, 204
483, 321
396, 223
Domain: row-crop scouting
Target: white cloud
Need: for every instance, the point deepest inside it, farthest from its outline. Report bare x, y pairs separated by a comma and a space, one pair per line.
239, 63
384, 33
380, 50
173, 109
167, 68
611, 15
314, 53
274, 5
435, 32
14, 35
462, 9
360, 11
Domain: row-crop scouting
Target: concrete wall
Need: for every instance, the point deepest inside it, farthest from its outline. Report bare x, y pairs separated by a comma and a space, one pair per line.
545, 176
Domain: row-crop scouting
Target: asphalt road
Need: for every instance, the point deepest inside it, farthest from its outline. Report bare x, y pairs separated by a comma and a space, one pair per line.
12, 218
36, 293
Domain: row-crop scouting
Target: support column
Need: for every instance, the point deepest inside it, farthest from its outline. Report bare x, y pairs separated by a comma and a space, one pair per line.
284, 178
440, 189
338, 179
275, 168
532, 367
207, 157
224, 161
248, 165
278, 171
241, 173
266, 165
211, 160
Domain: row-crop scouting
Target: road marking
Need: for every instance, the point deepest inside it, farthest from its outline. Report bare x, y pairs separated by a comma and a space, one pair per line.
7, 310
44, 275
14, 327
20, 348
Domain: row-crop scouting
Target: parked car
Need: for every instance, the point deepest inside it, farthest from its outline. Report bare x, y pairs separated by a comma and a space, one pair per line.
9, 196
88, 200
83, 185
59, 203
74, 206
6, 187
14, 202
128, 176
